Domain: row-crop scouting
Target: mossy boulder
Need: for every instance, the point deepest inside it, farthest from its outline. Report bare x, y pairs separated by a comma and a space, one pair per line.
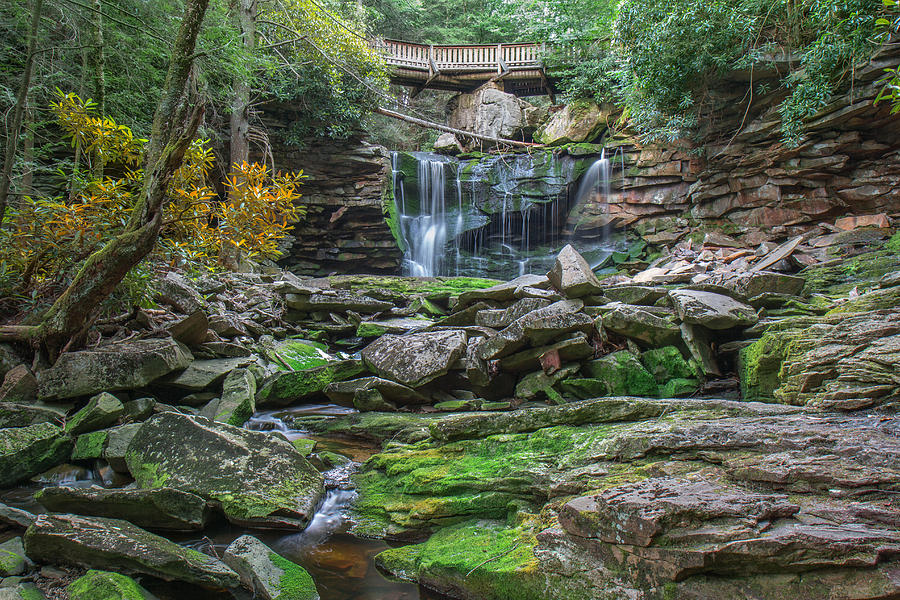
269, 575
238, 401
106, 585
257, 479
101, 411
163, 508
579, 121
27, 451
287, 387
22, 591
622, 374
12, 558
667, 363
118, 366
89, 446
96, 542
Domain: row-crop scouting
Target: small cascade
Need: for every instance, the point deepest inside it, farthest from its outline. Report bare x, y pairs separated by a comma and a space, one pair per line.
424, 231
591, 213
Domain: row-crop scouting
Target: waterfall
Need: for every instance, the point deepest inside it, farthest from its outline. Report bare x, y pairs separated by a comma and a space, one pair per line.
424, 231
590, 216
498, 216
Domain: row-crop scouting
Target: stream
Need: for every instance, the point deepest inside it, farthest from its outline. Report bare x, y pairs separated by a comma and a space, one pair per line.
340, 563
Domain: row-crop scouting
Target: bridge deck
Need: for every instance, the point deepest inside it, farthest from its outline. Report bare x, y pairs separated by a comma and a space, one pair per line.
463, 68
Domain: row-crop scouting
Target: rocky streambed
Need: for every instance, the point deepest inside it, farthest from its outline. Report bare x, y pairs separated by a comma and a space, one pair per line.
703, 429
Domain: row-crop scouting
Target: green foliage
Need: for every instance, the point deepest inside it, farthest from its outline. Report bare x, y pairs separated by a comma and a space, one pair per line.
891, 90
664, 56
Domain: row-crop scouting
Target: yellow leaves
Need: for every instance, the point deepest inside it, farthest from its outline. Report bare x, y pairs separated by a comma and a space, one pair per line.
256, 216
96, 135
47, 238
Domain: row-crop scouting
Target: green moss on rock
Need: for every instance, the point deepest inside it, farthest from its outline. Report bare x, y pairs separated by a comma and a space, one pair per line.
106, 585
90, 445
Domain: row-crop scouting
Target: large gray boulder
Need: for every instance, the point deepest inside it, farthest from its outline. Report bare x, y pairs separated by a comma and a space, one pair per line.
176, 291
163, 508
711, 310
258, 480
15, 517
19, 385
415, 359
537, 328
27, 451
270, 576
641, 324
490, 112
118, 366
572, 275
96, 542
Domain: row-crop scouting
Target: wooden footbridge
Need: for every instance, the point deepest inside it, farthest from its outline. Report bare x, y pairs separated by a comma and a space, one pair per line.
463, 68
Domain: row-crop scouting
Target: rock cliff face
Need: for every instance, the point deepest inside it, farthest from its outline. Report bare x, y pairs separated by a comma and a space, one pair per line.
751, 181
344, 229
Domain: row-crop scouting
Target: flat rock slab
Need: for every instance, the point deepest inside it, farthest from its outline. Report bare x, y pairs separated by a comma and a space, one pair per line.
269, 575
502, 292
118, 366
96, 542
637, 514
205, 374
711, 310
259, 480
163, 508
15, 517
346, 392
417, 358
27, 451
23, 415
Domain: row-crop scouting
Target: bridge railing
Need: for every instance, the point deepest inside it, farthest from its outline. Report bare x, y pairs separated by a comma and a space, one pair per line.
457, 58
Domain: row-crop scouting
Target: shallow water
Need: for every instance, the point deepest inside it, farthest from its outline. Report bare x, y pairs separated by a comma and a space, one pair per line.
340, 563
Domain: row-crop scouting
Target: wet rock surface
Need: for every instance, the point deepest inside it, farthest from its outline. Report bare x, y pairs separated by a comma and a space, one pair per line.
255, 479
95, 542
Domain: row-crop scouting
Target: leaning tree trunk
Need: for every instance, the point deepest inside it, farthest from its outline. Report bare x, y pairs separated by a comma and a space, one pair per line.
12, 141
68, 319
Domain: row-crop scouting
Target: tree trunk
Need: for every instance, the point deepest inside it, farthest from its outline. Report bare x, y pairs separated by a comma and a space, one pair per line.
244, 16
27, 155
68, 319
95, 65
12, 141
